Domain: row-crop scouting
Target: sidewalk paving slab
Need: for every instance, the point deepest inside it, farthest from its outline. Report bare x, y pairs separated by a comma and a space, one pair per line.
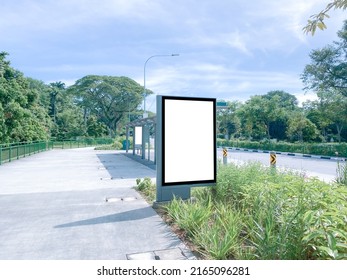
80, 204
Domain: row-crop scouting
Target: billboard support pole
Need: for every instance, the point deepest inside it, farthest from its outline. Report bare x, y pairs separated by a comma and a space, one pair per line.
127, 139
134, 138
143, 141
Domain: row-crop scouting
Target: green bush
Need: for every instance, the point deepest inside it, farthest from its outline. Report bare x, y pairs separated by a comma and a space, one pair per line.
146, 187
324, 149
116, 144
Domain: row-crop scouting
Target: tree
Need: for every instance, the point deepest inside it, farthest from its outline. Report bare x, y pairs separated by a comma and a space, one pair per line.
3, 63
55, 89
260, 112
300, 128
108, 98
317, 20
286, 103
95, 128
316, 112
334, 106
328, 69
327, 76
3, 128
228, 121
285, 100
67, 117
267, 115
69, 122
22, 118
42, 91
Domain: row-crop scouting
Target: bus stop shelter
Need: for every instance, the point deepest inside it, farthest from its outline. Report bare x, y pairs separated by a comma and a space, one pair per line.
141, 129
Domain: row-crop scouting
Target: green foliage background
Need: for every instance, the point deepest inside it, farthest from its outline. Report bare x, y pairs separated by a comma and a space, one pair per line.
97, 106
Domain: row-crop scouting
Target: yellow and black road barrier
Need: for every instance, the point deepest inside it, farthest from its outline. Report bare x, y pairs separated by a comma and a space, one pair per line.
225, 156
273, 159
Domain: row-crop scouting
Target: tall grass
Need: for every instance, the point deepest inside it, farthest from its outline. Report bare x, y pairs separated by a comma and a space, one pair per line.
146, 187
189, 216
219, 236
254, 213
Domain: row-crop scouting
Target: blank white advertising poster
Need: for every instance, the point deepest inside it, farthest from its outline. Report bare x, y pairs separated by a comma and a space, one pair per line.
138, 135
189, 147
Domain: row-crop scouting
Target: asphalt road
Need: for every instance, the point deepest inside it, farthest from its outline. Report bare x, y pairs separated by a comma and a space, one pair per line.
322, 168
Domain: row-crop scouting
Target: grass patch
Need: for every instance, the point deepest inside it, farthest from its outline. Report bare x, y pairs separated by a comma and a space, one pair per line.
255, 213
188, 215
219, 236
147, 188
105, 148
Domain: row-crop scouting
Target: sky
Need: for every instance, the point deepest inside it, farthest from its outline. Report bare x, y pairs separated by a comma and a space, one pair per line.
228, 49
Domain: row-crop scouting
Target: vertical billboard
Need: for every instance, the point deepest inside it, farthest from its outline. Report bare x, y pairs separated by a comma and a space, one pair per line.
188, 141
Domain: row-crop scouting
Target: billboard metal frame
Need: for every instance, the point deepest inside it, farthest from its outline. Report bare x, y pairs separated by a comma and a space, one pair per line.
181, 188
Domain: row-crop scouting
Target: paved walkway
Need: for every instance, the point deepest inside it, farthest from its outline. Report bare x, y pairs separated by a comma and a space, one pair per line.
53, 206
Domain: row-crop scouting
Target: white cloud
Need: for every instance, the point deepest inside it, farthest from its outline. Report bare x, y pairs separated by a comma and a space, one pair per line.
242, 25
218, 81
238, 41
65, 15
277, 24
303, 97
229, 49
227, 84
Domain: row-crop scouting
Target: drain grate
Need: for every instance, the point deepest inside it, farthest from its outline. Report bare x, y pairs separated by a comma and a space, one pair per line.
112, 178
166, 254
120, 199
142, 256
113, 199
130, 198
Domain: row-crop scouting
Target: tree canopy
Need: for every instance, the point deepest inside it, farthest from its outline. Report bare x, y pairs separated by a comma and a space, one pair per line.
108, 98
94, 106
328, 68
22, 118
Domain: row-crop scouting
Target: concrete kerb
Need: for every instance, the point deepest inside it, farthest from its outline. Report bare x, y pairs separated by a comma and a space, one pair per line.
288, 154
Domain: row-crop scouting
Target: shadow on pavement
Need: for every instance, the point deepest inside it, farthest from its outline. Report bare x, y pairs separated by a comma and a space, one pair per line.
138, 158
122, 166
132, 215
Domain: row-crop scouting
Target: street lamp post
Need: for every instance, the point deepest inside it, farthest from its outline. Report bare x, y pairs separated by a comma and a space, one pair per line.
145, 115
